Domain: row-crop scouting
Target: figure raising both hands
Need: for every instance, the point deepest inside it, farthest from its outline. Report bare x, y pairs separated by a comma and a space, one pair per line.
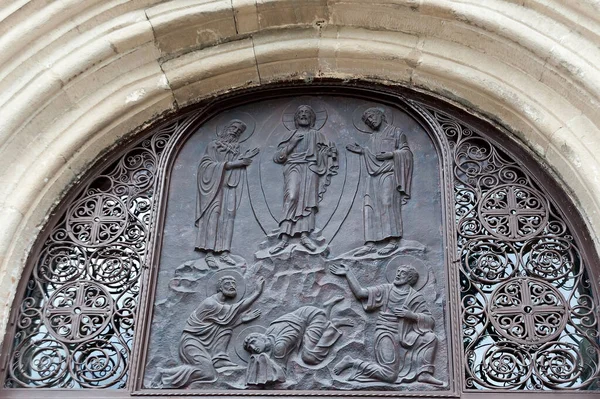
405, 343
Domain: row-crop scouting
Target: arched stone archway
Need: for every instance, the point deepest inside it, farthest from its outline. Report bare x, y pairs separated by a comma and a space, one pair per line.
78, 76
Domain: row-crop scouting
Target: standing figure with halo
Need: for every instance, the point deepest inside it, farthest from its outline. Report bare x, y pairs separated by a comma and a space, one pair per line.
405, 343
309, 161
389, 164
220, 185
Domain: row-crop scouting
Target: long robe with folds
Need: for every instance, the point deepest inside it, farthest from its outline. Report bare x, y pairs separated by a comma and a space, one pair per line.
388, 184
219, 195
403, 348
307, 172
306, 330
203, 344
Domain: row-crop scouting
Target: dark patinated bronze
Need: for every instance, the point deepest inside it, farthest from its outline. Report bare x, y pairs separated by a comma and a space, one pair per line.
333, 241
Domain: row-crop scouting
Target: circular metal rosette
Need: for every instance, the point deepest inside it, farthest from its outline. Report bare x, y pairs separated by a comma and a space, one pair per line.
98, 363
61, 263
115, 267
513, 212
469, 227
78, 311
551, 258
97, 220
489, 262
559, 364
528, 311
505, 365
39, 362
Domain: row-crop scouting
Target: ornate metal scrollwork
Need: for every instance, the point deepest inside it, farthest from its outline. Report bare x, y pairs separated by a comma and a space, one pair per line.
529, 320
528, 313
75, 325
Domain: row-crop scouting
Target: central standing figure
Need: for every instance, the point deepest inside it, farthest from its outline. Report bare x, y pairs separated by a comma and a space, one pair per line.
309, 160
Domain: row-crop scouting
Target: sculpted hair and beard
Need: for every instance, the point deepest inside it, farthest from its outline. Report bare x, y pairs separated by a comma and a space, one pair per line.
229, 137
313, 116
412, 274
222, 281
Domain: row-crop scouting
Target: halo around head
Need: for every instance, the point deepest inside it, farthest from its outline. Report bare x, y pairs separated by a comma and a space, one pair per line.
228, 117
240, 282
317, 107
239, 342
360, 110
418, 264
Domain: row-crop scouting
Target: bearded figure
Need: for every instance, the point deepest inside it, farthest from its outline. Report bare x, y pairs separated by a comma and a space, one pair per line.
220, 186
205, 338
309, 161
405, 343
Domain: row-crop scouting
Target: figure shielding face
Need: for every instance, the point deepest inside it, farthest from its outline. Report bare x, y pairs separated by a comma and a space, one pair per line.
255, 343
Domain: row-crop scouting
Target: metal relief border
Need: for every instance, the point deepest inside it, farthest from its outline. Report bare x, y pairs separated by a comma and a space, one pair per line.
452, 282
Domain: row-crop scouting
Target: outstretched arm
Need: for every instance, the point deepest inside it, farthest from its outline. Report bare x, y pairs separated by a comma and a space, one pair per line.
248, 301
246, 317
355, 287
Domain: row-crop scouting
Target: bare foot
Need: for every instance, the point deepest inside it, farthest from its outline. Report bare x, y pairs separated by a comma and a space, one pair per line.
211, 261
345, 363
334, 300
429, 379
388, 249
330, 303
364, 250
227, 259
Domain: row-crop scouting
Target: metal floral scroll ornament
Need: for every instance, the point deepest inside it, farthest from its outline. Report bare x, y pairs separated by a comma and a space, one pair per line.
528, 317
75, 325
528, 314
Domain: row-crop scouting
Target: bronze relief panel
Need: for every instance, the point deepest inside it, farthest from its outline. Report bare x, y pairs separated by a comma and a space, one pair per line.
303, 248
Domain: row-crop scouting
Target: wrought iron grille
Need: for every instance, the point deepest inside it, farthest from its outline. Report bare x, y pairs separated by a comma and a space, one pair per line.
75, 324
528, 315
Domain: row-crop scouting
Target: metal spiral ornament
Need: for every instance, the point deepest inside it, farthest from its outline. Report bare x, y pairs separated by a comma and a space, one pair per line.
528, 313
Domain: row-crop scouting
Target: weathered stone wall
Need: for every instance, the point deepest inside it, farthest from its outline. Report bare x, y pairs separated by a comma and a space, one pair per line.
77, 75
